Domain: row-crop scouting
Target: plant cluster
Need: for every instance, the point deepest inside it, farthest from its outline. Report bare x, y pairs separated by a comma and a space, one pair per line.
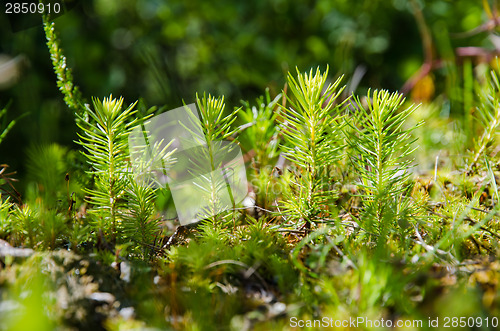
312, 142
349, 195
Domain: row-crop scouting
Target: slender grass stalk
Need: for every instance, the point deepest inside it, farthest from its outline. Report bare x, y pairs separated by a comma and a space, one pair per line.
71, 92
4, 126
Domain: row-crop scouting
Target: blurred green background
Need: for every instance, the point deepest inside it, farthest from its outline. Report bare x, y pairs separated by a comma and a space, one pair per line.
166, 51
